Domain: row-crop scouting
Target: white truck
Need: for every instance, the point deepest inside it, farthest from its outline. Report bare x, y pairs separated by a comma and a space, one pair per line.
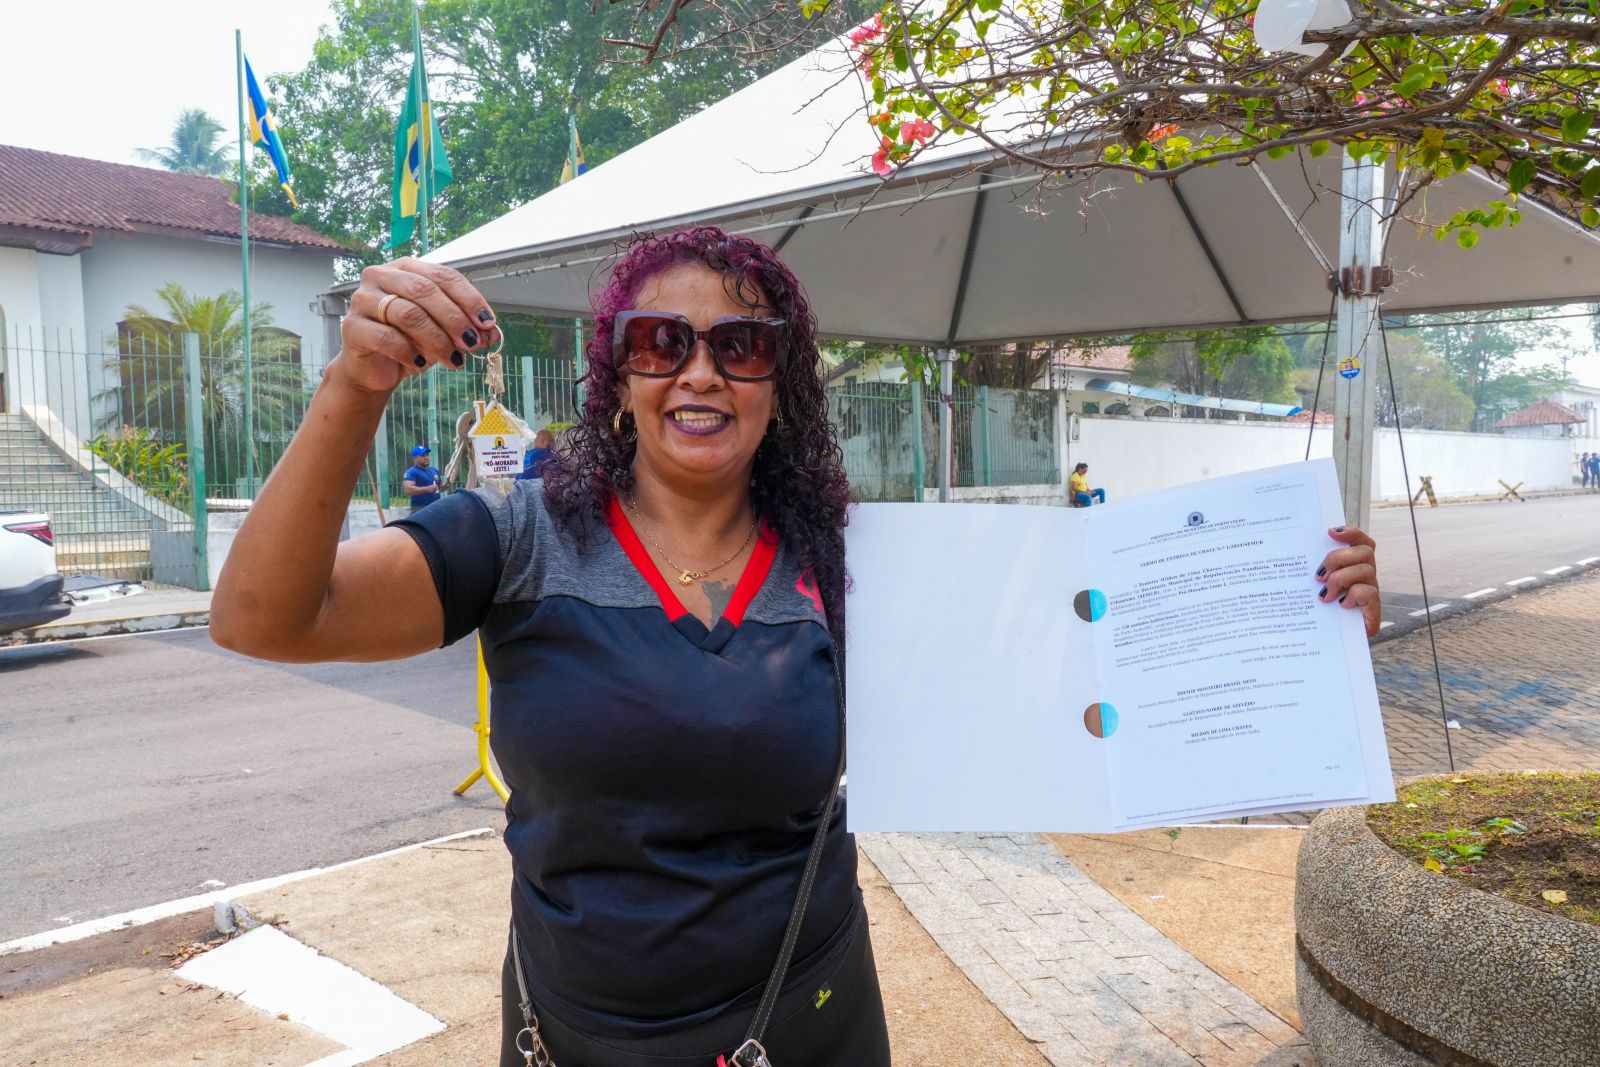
30, 587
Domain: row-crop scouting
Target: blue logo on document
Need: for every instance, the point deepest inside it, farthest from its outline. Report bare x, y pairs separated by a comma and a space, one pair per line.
1100, 719
1090, 605
1197, 518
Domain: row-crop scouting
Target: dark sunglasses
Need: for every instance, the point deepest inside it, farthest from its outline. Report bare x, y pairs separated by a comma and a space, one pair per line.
657, 344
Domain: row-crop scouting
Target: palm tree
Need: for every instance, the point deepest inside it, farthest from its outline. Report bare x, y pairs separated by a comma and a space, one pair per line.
150, 372
194, 148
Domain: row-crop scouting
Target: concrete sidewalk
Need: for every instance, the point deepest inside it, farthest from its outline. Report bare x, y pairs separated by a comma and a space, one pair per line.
158, 608
428, 924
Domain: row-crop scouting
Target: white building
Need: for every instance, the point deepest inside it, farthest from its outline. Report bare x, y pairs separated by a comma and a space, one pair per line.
1583, 400
1543, 418
81, 240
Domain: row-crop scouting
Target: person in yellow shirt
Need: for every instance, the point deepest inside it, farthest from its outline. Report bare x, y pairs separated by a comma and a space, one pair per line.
1078, 487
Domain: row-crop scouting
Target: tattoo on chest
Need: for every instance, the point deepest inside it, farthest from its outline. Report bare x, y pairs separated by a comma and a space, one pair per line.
717, 595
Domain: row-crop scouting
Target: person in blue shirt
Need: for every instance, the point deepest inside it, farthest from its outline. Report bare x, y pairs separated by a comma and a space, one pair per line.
544, 443
422, 480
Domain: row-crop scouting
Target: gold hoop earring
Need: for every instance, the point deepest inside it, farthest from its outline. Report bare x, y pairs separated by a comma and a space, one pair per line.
616, 427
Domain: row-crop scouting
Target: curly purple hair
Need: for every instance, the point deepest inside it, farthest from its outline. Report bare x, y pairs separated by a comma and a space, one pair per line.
799, 483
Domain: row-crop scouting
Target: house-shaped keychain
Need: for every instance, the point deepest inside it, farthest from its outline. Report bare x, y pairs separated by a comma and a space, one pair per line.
499, 442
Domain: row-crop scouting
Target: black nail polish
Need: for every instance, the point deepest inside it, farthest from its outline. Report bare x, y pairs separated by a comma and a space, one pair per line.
457, 359
485, 315
1342, 596
419, 361
1322, 570
1322, 593
470, 336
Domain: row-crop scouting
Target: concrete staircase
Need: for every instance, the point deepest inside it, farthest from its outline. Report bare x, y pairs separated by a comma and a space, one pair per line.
96, 529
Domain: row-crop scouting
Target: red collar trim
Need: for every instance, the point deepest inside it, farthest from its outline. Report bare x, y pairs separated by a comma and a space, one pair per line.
755, 574
750, 582
622, 530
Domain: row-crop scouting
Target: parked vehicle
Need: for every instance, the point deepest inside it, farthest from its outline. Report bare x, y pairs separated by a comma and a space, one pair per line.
30, 587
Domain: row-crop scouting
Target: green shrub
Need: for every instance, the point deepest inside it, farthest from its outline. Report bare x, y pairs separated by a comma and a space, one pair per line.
138, 454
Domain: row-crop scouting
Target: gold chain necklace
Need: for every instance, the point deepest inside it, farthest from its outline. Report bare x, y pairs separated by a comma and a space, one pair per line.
685, 575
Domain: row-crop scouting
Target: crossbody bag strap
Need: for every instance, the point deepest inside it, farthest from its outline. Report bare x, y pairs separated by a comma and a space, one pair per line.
535, 1053
751, 1054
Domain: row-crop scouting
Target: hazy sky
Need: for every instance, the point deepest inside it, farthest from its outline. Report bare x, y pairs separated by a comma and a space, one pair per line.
99, 78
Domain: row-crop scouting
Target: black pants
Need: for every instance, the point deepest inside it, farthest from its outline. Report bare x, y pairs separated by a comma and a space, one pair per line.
834, 1018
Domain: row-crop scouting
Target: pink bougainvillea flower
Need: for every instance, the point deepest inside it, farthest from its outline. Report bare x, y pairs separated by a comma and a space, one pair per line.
868, 31
1159, 132
1362, 98
1500, 86
880, 163
917, 132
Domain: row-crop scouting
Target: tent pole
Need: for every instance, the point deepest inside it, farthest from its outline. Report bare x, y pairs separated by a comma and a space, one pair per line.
1355, 394
947, 359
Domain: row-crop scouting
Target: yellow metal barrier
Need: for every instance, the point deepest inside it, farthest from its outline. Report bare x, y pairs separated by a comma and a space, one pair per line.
485, 769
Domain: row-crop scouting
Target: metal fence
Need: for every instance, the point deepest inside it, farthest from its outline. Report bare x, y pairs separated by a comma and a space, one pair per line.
135, 444
998, 437
425, 410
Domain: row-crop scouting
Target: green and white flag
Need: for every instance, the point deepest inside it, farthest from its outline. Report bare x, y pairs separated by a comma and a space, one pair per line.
421, 167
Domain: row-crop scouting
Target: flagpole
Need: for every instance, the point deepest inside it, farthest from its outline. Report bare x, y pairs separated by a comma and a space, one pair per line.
577, 324
425, 190
244, 257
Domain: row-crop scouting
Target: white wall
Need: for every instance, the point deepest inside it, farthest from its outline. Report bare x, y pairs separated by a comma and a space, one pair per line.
1005, 494
123, 269
1468, 464
1131, 456
61, 299
19, 297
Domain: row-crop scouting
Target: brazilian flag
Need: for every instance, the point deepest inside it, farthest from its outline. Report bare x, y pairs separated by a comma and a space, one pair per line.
421, 167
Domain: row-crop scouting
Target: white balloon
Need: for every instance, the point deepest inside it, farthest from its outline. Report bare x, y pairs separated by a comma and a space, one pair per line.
1280, 24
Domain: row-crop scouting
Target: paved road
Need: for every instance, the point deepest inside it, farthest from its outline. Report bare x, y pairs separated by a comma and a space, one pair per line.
134, 770
1475, 553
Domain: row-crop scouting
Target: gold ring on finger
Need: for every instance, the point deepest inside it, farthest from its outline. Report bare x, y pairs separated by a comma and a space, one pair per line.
383, 308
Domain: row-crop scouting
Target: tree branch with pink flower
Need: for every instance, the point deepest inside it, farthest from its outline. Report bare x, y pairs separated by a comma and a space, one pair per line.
1161, 87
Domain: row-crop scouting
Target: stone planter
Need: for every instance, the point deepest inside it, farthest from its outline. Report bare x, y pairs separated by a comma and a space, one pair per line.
1397, 965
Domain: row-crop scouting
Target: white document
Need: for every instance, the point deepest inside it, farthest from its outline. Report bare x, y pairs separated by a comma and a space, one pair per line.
1153, 661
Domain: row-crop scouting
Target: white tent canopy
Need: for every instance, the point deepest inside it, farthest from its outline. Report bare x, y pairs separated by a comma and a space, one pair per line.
931, 260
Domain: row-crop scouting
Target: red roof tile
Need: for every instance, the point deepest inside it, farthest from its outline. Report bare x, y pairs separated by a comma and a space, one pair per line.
52, 192
1324, 417
1103, 357
1543, 413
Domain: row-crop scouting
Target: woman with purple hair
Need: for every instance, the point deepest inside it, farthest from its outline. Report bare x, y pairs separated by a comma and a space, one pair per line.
661, 617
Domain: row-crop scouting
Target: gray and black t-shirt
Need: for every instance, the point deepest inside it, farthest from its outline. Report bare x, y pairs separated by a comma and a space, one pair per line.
666, 779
